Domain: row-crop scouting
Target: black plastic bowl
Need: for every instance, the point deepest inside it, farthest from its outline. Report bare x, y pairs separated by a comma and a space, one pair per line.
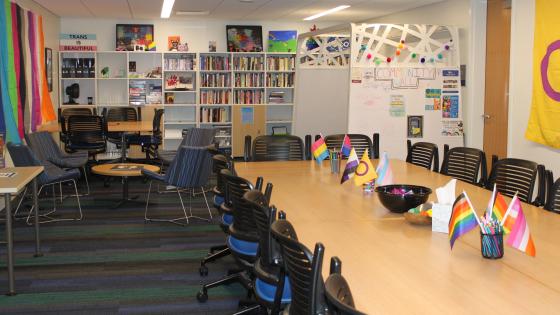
402, 203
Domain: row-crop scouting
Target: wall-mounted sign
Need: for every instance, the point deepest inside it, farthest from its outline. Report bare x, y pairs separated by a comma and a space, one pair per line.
78, 42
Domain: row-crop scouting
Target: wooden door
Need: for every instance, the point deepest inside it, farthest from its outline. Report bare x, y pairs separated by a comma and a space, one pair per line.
495, 116
247, 120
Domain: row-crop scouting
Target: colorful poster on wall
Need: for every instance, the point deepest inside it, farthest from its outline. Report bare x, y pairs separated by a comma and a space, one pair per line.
433, 99
244, 38
450, 106
415, 126
396, 106
135, 37
543, 124
452, 128
173, 42
282, 41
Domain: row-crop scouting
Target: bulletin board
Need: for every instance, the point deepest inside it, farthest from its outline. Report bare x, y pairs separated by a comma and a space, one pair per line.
405, 83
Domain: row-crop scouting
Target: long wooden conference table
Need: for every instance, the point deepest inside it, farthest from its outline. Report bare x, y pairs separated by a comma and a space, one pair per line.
394, 267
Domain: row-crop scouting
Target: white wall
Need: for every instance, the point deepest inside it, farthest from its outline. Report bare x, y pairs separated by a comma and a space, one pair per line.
457, 13
196, 32
521, 78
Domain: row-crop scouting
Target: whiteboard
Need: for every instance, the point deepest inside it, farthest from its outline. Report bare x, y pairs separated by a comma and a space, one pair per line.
376, 92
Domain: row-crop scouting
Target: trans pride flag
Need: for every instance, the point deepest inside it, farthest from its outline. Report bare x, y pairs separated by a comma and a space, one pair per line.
384, 171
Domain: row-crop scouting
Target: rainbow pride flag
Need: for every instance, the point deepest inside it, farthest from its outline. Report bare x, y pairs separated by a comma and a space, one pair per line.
463, 218
384, 171
346, 146
351, 166
520, 237
319, 149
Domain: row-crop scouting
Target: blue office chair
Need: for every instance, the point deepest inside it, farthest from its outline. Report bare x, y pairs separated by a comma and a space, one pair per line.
189, 170
23, 156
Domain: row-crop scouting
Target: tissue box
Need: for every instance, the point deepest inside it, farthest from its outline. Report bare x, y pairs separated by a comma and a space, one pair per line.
441, 213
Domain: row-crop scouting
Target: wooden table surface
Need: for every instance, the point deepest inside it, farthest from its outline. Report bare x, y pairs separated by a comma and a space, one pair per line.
112, 126
23, 176
107, 169
394, 267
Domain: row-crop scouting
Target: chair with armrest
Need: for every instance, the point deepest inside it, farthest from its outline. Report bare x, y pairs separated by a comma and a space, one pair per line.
303, 268
64, 114
359, 142
243, 238
519, 176
150, 143
423, 154
52, 175
337, 291
272, 286
275, 148
46, 149
465, 164
553, 193
189, 170
86, 133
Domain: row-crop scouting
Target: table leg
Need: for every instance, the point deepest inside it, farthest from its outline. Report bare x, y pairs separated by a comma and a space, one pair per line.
36, 207
123, 148
10, 244
125, 196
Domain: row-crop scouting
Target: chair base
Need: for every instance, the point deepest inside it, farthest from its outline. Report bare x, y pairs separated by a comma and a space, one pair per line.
213, 256
240, 277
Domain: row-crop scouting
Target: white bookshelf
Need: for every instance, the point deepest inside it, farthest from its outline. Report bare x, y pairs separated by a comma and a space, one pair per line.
270, 76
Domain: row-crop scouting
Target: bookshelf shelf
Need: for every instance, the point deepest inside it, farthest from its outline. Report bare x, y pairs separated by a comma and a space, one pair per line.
219, 84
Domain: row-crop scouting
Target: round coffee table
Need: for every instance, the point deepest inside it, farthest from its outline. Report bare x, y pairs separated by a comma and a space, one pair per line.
123, 170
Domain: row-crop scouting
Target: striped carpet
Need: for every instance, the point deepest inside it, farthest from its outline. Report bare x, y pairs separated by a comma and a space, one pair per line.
112, 262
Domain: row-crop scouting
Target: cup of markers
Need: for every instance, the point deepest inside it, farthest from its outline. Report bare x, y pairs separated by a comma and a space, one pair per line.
491, 239
334, 157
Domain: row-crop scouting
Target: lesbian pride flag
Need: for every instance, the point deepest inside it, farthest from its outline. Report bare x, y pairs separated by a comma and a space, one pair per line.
520, 237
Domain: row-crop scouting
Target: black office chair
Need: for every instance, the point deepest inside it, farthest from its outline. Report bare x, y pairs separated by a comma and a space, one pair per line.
275, 148
52, 175
272, 286
337, 291
553, 194
46, 149
150, 143
465, 164
304, 269
86, 133
519, 176
359, 142
243, 239
423, 154
64, 114
121, 114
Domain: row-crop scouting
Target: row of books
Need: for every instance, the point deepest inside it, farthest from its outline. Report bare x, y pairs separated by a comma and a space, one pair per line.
215, 80
214, 63
215, 97
249, 97
281, 63
182, 63
141, 93
276, 97
249, 79
214, 115
248, 63
280, 79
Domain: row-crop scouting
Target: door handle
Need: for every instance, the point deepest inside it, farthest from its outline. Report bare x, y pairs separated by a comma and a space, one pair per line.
486, 116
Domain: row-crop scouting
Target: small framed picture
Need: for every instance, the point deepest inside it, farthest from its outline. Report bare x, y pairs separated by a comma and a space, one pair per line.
49, 68
415, 126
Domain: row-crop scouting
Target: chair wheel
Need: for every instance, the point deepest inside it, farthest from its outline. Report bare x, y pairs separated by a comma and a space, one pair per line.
202, 296
203, 270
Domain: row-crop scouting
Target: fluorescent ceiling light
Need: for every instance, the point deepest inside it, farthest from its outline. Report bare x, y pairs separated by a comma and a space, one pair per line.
333, 10
166, 8
192, 13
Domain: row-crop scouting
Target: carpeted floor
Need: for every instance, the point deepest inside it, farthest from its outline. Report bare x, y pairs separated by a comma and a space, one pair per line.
112, 262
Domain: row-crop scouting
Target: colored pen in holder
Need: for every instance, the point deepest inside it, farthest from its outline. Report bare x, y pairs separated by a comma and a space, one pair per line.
492, 245
334, 157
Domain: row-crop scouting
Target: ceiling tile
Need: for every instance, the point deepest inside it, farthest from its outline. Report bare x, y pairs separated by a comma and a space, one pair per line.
65, 8
108, 8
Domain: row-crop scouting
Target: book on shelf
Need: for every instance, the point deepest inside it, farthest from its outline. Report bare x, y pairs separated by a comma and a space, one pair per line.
276, 97
249, 97
280, 80
214, 115
137, 92
249, 79
277, 63
215, 97
215, 80
213, 63
178, 62
154, 94
251, 63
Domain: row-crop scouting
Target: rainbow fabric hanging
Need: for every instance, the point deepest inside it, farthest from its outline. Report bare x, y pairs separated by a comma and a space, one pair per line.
7, 75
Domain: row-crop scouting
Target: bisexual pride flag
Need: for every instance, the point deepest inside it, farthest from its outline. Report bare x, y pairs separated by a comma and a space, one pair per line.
346, 146
319, 149
351, 166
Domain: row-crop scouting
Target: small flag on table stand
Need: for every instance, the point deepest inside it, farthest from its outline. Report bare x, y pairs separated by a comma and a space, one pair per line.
364, 172
346, 146
520, 237
351, 165
463, 218
319, 149
384, 171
